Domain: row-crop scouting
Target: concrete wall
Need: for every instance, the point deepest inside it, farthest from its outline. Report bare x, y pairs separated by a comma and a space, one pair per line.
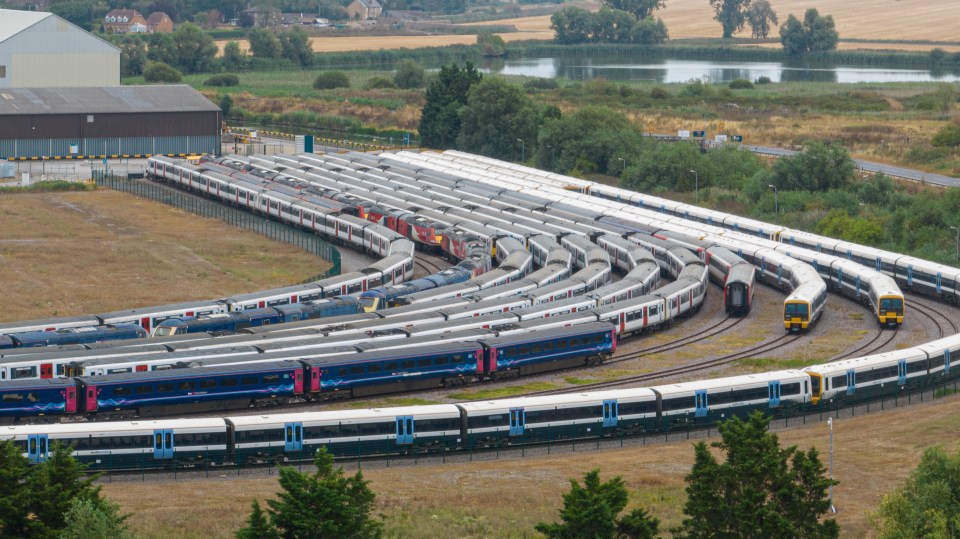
55, 53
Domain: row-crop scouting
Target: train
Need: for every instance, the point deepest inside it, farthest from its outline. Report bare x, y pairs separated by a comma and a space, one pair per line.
466, 426
233, 322
241, 385
72, 336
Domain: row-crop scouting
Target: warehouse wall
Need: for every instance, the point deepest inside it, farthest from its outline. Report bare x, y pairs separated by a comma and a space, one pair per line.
55, 53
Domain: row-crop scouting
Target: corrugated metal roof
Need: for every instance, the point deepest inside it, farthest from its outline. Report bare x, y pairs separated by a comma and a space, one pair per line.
13, 21
118, 99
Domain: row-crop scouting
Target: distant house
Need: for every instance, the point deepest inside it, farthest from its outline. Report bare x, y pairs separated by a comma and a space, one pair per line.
364, 10
120, 21
260, 17
160, 23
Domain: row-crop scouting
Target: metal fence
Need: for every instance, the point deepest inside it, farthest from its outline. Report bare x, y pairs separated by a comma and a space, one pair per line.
236, 217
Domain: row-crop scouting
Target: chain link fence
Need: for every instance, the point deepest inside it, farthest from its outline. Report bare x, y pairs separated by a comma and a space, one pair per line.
238, 218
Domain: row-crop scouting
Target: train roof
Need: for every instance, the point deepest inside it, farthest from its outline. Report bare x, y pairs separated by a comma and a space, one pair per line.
110, 428
173, 374
762, 378
381, 355
557, 401
343, 416
554, 333
36, 383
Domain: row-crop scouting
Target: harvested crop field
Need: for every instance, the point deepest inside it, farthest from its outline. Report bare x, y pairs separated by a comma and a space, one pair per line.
373, 43
72, 253
506, 498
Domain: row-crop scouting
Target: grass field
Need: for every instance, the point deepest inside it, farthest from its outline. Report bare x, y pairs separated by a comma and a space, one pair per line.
65, 254
880, 20
506, 498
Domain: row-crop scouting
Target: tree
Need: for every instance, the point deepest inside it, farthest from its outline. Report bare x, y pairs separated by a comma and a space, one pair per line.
226, 105
325, 504
641, 9
195, 49
592, 139
928, 504
731, 14
84, 13
160, 72
759, 491
14, 495
133, 54
591, 511
87, 519
496, 115
295, 45
440, 121
258, 526
947, 136
161, 48
820, 167
815, 34
234, 58
409, 74
612, 25
649, 32
491, 44
56, 484
264, 43
760, 15
572, 25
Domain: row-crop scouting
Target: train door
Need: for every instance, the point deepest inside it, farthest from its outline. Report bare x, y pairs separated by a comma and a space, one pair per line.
518, 421
314, 379
773, 394
163, 444
293, 437
37, 449
298, 382
404, 429
700, 398
939, 283
611, 416
902, 372
839, 278
736, 296
851, 381
946, 361
46, 370
858, 285
71, 400
91, 399
909, 276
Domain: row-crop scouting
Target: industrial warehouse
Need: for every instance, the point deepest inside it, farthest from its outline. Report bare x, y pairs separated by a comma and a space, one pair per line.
118, 121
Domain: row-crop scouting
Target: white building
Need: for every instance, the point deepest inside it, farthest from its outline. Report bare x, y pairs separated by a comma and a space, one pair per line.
42, 50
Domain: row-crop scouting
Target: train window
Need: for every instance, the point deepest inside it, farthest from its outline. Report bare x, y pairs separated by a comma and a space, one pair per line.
122, 391
373, 367
839, 381
343, 371
408, 364
228, 382
561, 344
678, 403
249, 381
790, 389
457, 358
356, 369
12, 397
597, 339
524, 350
144, 390
917, 366
654, 310
537, 349
208, 384
443, 360
548, 346
23, 372
423, 362
186, 386
349, 430
164, 388
271, 378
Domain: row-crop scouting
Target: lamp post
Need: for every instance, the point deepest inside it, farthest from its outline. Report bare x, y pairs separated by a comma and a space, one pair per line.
696, 186
833, 509
523, 150
957, 230
776, 199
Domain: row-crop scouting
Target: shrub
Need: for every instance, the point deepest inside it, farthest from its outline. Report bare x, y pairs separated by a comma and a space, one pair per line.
331, 79
160, 72
409, 74
541, 84
740, 84
763, 79
948, 136
379, 83
659, 92
222, 80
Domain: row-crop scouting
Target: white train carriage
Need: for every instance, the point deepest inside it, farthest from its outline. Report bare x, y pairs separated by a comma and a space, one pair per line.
149, 317
941, 354
488, 306
540, 324
277, 296
685, 295
493, 423
619, 291
429, 307
158, 361
595, 274
124, 444
634, 315
624, 254
487, 321
259, 437
507, 246
377, 239
555, 308
540, 247
509, 289
564, 289
722, 397
579, 247
863, 377
395, 268
347, 284
455, 290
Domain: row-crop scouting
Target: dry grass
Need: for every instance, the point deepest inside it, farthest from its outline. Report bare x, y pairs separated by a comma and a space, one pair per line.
373, 43
87, 252
506, 498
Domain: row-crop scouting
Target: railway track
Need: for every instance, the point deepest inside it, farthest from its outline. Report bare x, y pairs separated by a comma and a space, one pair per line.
946, 325
427, 265
879, 341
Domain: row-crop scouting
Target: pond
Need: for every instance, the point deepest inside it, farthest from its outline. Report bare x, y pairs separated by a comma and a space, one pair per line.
667, 70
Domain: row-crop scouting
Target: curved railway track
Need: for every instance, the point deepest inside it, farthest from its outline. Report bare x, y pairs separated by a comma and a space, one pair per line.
946, 325
874, 345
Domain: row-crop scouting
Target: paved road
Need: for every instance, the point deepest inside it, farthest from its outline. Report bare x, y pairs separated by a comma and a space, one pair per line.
870, 166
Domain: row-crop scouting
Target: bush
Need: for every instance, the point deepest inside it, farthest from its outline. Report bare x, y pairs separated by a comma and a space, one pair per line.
160, 72
659, 92
379, 83
222, 80
948, 136
409, 74
331, 79
763, 79
740, 84
541, 84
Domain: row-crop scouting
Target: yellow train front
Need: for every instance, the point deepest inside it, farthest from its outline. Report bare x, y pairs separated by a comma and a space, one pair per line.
803, 307
890, 310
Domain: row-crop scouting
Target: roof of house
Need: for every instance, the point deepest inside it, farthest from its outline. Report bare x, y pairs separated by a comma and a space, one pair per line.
104, 100
13, 21
370, 4
127, 14
157, 17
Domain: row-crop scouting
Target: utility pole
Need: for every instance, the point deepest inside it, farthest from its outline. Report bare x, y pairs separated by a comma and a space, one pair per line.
776, 199
696, 186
